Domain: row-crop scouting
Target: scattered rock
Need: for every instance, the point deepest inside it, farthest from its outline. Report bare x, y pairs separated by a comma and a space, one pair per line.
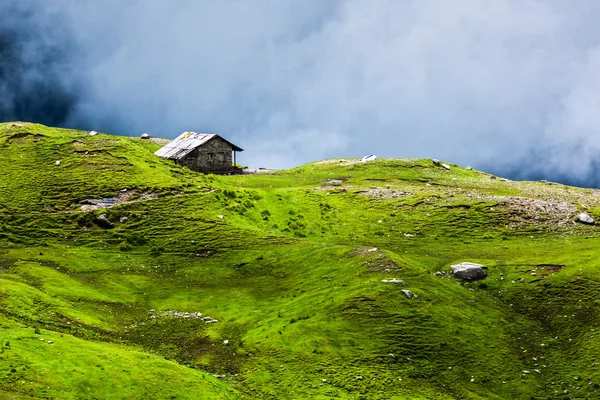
394, 280
435, 161
179, 314
524, 210
103, 221
50, 342
469, 271
408, 293
446, 166
385, 193
145, 136
370, 157
123, 219
225, 341
585, 218
493, 177
469, 168
93, 133
57, 162
372, 250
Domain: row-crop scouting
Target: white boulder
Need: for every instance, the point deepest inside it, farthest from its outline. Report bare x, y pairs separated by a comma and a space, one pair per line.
469, 271
585, 218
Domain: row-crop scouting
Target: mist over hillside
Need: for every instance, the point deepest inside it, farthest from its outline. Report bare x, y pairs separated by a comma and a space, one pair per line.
505, 86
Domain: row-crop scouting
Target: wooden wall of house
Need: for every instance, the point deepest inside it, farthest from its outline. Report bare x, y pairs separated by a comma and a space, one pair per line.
213, 156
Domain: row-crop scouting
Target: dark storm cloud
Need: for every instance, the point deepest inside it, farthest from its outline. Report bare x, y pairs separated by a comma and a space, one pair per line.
510, 86
36, 82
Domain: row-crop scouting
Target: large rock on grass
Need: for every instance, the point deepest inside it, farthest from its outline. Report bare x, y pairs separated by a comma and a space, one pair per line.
469, 271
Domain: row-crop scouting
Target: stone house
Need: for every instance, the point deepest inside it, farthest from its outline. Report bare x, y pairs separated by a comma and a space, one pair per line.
202, 152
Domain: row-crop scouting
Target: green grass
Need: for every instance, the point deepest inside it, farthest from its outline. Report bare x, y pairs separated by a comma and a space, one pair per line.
286, 262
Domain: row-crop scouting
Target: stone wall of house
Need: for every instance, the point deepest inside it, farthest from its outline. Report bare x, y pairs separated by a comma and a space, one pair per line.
213, 156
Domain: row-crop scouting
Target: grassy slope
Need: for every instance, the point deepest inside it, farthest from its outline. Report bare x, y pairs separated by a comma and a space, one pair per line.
282, 262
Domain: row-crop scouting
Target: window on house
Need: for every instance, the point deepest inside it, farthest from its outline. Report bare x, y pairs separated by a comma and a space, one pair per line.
220, 157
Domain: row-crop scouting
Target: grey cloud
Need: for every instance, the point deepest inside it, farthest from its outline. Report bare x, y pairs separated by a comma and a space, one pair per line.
509, 86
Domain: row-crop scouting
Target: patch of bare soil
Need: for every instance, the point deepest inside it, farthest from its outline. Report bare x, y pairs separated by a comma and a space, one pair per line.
385, 193
377, 261
329, 188
342, 161
129, 196
526, 210
161, 141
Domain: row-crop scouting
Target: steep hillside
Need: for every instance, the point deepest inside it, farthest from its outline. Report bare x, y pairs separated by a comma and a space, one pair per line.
272, 286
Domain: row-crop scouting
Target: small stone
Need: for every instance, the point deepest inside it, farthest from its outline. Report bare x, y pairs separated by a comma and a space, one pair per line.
446, 166
57, 162
103, 221
408, 293
50, 342
225, 341
93, 133
145, 136
372, 250
585, 218
493, 177
394, 280
220, 216
123, 219
469, 168
435, 161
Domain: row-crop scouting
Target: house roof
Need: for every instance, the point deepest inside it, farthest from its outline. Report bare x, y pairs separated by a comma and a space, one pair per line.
187, 142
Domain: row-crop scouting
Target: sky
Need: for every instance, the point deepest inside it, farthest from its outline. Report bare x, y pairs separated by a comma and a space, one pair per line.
511, 87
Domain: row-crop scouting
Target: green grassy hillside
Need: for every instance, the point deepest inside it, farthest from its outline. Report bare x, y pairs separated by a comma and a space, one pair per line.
270, 286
